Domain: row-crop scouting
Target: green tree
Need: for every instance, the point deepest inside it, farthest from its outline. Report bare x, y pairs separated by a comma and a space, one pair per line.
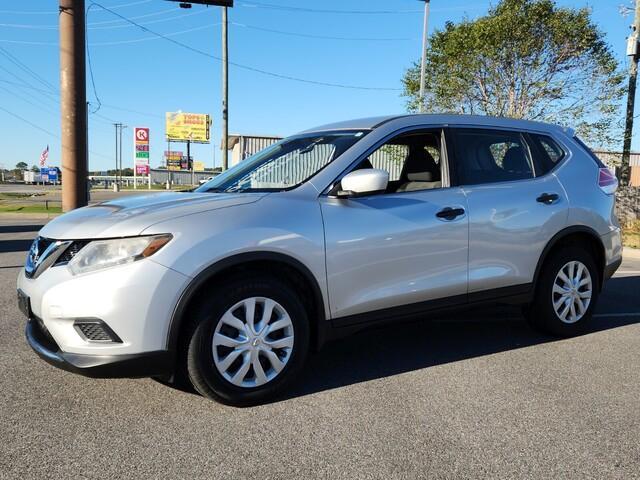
35, 168
21, 166
525, 59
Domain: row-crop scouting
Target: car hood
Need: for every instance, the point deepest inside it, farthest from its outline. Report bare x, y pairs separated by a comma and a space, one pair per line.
131, 215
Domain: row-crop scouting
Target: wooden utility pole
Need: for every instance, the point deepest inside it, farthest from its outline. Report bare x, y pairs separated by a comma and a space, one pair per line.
73, 107
632, 52
225, 91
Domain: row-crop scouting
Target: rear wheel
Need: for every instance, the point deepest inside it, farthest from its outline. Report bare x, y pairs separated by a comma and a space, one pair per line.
247, 341
566, 293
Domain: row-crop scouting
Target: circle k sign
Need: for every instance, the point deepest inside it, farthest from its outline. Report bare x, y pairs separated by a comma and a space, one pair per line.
142, 134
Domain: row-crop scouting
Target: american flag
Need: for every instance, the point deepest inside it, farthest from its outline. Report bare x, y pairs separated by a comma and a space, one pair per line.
43, 156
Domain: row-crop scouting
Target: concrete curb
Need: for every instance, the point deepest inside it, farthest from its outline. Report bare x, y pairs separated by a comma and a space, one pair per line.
629, 252
27, 216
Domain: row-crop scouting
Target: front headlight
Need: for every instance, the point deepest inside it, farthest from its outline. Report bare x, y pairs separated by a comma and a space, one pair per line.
108, 253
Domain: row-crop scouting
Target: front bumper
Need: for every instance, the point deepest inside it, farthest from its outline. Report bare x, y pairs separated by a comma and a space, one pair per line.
145, 364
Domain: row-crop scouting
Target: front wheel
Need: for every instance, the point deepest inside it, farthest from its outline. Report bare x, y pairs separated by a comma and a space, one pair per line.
566, 293
247, 341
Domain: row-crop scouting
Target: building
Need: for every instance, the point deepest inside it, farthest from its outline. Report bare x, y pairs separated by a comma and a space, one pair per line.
243, 146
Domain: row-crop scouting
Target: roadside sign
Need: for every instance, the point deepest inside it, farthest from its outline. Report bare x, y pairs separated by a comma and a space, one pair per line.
141, 151
52, 173
187, 127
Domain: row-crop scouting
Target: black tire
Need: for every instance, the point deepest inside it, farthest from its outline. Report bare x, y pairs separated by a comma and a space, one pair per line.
202, 372
541, 314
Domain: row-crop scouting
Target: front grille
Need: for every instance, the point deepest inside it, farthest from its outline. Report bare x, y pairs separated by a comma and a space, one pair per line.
71, 252
95, 330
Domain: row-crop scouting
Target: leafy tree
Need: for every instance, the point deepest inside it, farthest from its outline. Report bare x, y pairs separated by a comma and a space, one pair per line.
525, 59
21, 166
35, 168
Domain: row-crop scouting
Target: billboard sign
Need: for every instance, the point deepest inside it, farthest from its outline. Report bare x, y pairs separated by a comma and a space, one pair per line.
187, 127
173, 159
198, 166
141, 150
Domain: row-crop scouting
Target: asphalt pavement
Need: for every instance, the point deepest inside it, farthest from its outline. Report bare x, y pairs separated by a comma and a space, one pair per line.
475, 396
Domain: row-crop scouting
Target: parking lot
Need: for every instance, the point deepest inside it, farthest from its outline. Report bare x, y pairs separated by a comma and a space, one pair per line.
477, 395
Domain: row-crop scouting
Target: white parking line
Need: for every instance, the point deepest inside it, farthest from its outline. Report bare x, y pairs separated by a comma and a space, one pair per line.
629, 314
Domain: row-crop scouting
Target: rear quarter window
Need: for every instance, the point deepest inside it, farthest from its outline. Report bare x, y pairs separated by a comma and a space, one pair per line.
547, 152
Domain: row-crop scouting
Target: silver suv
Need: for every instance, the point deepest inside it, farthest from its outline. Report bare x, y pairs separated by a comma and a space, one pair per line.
323, 233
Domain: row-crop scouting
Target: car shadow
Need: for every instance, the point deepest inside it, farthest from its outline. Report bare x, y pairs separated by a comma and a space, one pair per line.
401, 348
20, 228
427, 342
7, 246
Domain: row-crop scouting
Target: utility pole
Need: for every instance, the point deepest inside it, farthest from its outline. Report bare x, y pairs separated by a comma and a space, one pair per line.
632, 52
425, 28
73, 104
120, 169
225, 92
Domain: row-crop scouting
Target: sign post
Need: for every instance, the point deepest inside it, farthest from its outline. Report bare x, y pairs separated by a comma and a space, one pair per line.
140, 155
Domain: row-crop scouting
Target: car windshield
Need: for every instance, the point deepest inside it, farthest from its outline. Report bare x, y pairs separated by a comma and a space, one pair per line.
285, 164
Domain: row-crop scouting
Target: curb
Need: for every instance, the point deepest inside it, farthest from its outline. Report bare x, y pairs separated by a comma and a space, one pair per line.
629, 252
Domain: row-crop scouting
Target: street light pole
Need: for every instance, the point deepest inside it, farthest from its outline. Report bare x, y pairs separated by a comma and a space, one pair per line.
425, 28
225, 91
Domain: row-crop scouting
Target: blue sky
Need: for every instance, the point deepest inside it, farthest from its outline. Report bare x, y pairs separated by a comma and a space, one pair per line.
138, 76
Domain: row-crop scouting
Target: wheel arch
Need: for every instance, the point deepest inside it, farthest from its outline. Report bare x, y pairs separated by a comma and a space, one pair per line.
275, 263
568, 236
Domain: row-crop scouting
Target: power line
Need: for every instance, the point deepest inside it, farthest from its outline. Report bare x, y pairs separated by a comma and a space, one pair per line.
146, 39
323, 37
246, 67
150, 22
93, 82
116, 42
272, 6
25, 68
29, 122
55, 12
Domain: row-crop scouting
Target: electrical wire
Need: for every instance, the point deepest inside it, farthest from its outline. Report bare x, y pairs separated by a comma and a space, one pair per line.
55, 12
242, 66
12, 58
93, 82
323, 37
29, 122
272, 6
116, 42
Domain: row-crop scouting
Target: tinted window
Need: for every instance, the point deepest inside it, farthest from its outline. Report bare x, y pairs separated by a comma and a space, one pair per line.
487, 156
548, 152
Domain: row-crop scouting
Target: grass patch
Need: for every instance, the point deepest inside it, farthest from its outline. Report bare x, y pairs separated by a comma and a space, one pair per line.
631, 234
21, 208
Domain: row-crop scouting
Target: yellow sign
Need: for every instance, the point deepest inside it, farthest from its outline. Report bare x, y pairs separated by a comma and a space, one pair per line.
183, 127
198, 166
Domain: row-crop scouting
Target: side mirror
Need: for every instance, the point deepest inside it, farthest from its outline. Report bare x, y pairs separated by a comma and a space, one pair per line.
363, 182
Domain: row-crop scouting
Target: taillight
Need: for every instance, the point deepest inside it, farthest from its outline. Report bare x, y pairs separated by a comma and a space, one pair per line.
607, 181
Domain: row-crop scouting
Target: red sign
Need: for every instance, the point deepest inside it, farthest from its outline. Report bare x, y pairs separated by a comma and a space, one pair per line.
142, 135
142, 169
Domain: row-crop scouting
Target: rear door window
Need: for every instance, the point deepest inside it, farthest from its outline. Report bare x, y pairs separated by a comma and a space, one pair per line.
547, 152
489, 156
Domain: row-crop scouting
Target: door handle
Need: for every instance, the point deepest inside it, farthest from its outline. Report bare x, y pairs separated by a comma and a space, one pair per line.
547, 198
450, 213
